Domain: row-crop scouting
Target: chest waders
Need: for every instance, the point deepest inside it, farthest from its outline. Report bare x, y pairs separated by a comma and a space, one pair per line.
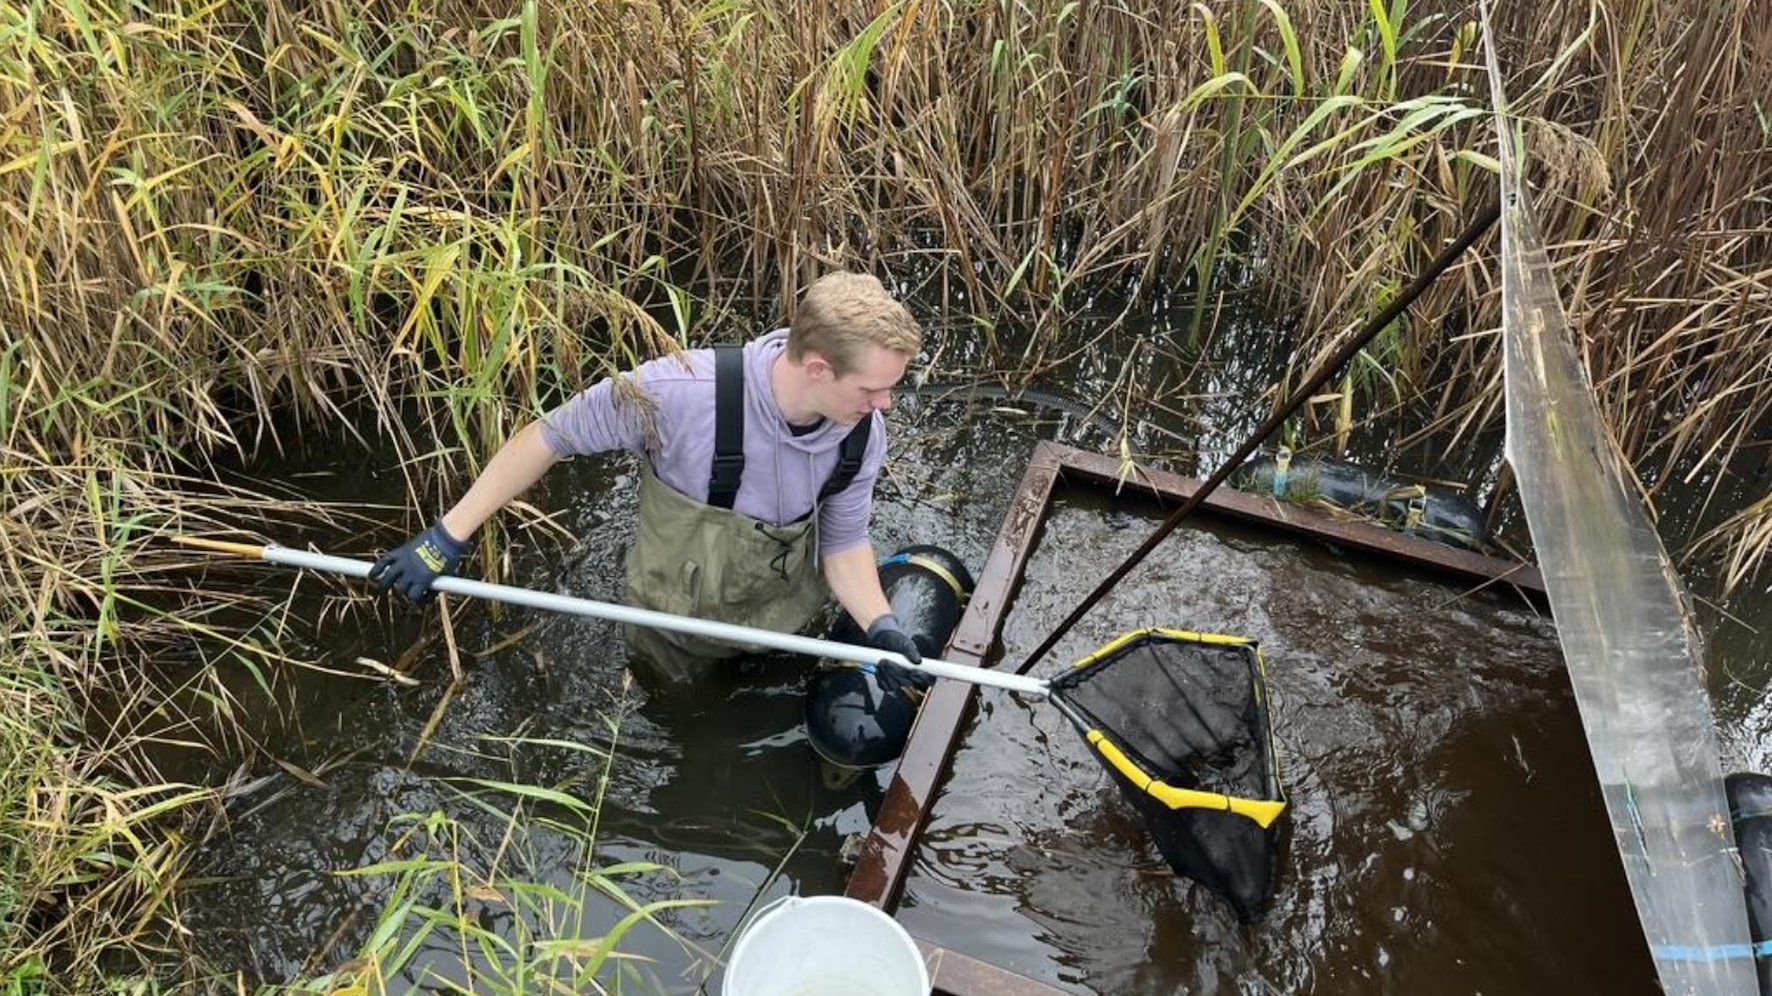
711, 562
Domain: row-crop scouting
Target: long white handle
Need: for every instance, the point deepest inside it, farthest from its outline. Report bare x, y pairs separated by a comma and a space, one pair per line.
727, 632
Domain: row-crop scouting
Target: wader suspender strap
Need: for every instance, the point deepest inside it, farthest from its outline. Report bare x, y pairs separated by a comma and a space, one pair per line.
728, 426
728, 467
855, 446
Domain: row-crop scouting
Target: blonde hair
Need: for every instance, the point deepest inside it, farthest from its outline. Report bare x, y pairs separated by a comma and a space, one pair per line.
843, 313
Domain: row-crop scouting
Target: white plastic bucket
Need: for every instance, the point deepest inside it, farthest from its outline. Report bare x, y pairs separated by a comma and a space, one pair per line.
824, 946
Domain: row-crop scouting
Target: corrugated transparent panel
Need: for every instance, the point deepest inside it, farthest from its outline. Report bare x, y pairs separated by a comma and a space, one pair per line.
1622, 617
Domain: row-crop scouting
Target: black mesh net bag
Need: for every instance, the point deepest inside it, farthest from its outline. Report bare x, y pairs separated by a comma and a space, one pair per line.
1180, 720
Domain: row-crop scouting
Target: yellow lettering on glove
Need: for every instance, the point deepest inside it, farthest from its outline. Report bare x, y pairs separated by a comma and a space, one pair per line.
432, 557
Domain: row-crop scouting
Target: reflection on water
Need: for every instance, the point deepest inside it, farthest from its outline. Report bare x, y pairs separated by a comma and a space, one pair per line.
1445, 833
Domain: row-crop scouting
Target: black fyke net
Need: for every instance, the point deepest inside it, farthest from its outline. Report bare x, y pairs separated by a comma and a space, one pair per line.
1180, 720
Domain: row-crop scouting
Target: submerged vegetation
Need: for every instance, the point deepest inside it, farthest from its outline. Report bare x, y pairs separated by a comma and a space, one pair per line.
227, 224
501, 895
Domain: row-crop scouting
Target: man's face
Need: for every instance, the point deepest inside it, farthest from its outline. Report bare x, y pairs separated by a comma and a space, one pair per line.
859, 393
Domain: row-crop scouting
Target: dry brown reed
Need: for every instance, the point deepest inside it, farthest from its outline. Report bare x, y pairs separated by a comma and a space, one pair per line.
220, 221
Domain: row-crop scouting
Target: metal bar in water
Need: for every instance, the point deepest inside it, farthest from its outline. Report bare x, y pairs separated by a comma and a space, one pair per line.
886, 853
1270, 513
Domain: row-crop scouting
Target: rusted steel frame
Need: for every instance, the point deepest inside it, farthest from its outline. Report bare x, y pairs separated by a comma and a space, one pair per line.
955, 974
1353, 534
879, 873
885, 855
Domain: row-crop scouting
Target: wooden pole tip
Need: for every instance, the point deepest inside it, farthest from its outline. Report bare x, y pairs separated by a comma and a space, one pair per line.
219, 546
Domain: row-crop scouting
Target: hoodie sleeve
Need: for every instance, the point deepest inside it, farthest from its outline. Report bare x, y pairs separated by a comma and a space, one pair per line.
593, 421
629, 411
843, 518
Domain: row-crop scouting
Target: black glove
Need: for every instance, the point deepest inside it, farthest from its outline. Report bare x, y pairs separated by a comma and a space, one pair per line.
413, 567
886, 634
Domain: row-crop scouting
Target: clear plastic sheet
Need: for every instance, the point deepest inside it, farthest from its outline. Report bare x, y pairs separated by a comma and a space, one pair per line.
1634, 657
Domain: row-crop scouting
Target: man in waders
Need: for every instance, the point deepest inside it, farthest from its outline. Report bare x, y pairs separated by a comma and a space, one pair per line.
757, 478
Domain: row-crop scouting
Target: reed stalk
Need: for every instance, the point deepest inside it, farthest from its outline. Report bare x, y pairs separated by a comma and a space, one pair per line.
225, 225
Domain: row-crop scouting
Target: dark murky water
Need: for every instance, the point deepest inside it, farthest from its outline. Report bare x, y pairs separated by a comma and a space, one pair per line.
717, 785
1446, 834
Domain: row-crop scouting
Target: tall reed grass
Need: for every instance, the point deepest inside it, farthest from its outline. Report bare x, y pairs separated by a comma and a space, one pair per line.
223, 224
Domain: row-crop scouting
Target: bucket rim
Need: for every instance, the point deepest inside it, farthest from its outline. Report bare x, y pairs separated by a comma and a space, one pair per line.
791, 901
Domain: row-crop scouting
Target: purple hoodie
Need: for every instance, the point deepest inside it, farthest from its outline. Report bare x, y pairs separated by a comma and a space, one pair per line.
782, 473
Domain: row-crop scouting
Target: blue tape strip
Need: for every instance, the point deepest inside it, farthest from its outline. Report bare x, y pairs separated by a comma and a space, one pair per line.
1722, 952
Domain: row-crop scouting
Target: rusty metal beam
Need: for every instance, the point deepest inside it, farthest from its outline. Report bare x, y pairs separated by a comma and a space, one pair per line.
1264, 510
880, 870
955, 974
